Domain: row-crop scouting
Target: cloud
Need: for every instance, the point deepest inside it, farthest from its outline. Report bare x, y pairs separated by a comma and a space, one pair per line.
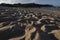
23, 1
16, 1
5, 1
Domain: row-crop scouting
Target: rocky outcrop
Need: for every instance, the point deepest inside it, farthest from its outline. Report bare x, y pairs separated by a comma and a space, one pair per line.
22, 24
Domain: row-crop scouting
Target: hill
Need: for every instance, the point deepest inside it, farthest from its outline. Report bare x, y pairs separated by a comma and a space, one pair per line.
26, 5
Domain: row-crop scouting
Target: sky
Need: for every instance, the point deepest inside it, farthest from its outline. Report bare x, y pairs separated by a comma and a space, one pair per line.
53, 2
